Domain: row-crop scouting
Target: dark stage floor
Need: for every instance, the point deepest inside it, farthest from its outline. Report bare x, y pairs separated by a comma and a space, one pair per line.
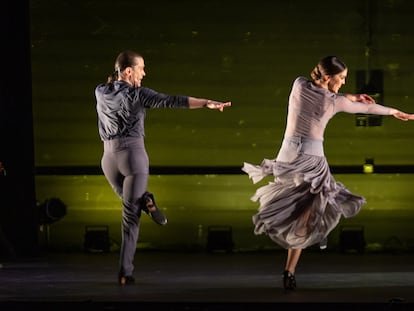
209, 281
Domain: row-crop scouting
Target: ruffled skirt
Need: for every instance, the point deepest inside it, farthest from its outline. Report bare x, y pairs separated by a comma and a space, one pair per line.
304, 202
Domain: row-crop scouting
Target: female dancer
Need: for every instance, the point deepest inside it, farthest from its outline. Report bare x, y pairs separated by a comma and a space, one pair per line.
305, 203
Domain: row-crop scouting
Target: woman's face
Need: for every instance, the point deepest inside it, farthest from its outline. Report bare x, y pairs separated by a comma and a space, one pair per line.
335, 82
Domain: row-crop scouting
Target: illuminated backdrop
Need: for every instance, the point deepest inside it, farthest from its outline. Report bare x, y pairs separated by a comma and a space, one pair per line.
248, 53
225, 50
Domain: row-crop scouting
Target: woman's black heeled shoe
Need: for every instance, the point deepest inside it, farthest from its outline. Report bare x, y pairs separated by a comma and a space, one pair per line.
289, 281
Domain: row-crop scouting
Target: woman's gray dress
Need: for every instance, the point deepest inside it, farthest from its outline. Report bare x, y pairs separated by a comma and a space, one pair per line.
304, 202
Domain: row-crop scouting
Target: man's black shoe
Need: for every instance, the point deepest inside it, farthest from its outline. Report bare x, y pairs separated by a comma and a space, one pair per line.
148, 206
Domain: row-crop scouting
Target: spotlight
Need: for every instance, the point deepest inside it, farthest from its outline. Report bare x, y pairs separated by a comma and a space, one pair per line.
352, 238
220, 238
97, 239
51, 210
368, 166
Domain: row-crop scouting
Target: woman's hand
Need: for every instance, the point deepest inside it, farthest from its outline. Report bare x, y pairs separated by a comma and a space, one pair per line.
365, 98
362, 98
403, 116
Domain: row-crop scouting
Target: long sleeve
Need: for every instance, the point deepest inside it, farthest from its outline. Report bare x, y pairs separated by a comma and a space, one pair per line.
121, 108
345, 105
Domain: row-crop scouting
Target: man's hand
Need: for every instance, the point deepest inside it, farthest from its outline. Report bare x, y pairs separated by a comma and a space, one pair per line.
217, 105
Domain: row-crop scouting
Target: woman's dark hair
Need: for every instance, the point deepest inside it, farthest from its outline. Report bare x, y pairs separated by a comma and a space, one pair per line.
329, 65
124, 59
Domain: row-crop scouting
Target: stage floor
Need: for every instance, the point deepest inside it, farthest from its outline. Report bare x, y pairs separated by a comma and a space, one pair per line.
209, 281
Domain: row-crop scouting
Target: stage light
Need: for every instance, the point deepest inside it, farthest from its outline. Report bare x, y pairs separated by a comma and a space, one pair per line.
352, 238
367, 120
97, 239
368, 167
370, 82
51, 210
220, 238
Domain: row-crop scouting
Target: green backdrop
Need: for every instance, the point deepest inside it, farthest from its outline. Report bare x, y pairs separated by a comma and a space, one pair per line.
248, 53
